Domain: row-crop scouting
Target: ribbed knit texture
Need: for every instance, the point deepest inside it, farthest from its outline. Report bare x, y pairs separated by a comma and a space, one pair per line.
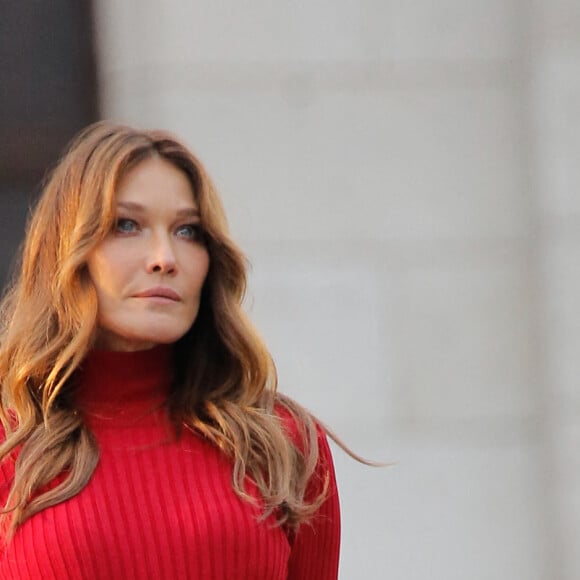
158, 507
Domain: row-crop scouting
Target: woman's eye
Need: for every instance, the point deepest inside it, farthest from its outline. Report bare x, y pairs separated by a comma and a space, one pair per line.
190, 231
125, 226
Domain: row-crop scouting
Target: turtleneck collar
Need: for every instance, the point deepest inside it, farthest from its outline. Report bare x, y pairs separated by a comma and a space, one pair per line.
124, 385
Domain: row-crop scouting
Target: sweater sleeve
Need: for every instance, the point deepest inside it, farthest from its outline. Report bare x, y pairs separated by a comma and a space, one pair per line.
316, 546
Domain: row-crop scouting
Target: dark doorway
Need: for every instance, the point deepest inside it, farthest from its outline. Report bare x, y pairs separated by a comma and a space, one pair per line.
48, 91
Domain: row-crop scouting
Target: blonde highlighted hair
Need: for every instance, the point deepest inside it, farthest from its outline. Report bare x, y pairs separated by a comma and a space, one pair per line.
225, 385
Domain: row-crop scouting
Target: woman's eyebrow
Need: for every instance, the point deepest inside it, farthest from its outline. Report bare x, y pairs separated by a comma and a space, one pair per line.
137, 207
188, 212
130, 205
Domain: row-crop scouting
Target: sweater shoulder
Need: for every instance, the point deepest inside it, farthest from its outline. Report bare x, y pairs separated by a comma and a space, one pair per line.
305, 431
6, 469
297, 422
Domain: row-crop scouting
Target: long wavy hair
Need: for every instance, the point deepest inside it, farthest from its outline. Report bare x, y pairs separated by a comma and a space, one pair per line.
225, 380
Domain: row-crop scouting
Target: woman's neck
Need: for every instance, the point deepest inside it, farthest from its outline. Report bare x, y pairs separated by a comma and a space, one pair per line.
120, 385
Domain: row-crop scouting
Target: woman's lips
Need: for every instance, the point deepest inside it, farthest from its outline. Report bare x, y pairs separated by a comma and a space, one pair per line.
161, 294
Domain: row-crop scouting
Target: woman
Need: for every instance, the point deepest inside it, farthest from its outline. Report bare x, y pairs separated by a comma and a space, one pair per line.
143, 436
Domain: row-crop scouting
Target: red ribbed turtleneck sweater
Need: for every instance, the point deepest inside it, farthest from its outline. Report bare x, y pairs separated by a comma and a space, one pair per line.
158, 507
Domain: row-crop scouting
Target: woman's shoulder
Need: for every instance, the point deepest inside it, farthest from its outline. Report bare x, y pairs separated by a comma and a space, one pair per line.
9, 429
305, 431
7, 462
296, 420
2, 433
10, 421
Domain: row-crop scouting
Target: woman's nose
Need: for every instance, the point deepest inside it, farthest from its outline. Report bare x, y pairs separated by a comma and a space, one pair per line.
162, 256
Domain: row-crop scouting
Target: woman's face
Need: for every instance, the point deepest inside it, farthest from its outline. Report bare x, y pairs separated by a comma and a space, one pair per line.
149, 271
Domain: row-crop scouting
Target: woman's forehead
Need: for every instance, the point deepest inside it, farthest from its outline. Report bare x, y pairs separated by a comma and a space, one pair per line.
156, 181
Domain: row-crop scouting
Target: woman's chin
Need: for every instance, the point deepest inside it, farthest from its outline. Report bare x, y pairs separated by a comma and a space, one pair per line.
107, 340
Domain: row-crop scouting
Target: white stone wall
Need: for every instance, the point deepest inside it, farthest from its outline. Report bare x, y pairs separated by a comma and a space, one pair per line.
400, 175
555, 106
